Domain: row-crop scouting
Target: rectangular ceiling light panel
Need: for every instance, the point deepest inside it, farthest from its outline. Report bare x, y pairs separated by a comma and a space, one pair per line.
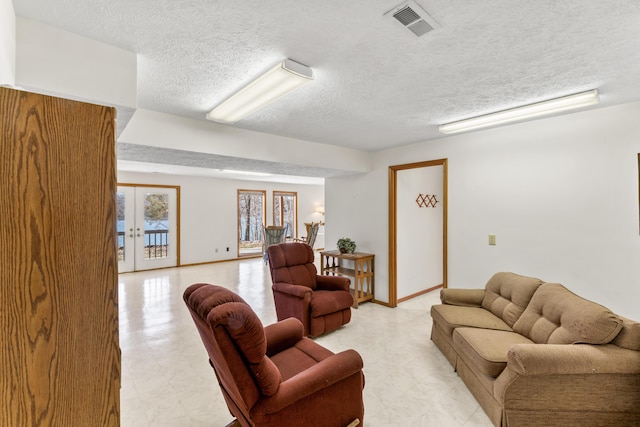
279, 81
553, 106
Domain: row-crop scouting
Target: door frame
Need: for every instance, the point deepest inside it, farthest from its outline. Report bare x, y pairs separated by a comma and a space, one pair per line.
393, 266
177, 188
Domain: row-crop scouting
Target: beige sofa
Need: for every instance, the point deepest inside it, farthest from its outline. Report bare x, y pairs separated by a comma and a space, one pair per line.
535, 354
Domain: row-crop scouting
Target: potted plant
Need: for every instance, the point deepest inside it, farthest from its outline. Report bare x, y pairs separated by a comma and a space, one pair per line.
346, 245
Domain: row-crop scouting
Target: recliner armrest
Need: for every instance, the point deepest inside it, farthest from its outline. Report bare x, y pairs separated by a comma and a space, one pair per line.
322, 375
333, 283
291, 289
283, 334
462, 297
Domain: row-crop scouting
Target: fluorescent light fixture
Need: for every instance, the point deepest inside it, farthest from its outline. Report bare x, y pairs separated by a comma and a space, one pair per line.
238, 172
279, 81
578, 100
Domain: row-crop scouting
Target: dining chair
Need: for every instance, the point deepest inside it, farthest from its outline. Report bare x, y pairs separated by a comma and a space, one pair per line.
272, 235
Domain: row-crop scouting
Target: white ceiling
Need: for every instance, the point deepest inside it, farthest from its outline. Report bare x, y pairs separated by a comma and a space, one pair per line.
376, 84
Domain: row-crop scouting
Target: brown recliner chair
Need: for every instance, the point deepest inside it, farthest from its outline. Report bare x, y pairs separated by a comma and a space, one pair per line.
321, 303
273, 376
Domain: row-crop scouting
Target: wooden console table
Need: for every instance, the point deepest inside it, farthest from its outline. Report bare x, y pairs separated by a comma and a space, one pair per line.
331, 263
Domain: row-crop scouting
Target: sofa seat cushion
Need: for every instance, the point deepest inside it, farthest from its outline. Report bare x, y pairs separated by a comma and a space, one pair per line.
327, 302
508, 294
485, 350
449, 317
556, 315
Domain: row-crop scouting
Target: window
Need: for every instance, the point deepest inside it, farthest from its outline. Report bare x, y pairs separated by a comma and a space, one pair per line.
285, 211
251, 213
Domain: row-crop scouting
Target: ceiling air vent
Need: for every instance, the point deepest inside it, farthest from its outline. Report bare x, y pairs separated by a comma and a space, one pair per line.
413, 17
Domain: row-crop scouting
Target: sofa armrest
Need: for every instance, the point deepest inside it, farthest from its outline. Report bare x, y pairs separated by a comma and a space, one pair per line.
462, 297
333, 283
320, 376
282, 335
598, 381
291, 289
551, 359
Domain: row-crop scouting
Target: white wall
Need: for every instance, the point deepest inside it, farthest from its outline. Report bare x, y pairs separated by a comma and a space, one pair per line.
357, 207
54, 61
209, 209
561, 194
7, 43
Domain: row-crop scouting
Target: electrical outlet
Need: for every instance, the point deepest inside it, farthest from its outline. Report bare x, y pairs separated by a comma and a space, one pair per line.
227, 248
492, 239
216, 250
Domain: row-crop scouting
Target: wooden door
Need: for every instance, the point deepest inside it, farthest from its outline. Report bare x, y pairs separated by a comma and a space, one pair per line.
60, 358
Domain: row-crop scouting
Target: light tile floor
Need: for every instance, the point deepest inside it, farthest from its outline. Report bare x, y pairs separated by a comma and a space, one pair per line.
167, 380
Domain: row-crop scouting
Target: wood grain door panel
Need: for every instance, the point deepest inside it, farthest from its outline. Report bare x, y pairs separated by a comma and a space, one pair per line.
60, 359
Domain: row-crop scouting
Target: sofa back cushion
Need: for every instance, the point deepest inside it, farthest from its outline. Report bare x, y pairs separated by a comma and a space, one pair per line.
507, 295
556, 315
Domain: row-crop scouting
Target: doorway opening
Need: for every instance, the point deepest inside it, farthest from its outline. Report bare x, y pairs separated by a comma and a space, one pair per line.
417, 229
147, 227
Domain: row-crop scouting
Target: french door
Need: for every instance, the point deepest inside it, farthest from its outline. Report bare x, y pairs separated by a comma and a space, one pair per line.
147, 227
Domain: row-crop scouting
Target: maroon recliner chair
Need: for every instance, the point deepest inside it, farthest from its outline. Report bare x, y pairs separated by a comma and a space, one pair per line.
273, 376
321, 303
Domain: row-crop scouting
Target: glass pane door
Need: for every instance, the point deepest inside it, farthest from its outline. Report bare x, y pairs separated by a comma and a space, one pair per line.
147, 228
251, 212
155, 229
285, 211
125, 199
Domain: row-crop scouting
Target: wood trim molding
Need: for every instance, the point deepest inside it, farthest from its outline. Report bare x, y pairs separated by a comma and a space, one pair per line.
417, 294
393, 170
393, 285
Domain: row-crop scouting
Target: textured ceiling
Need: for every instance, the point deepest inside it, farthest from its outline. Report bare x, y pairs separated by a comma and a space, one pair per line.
376, 84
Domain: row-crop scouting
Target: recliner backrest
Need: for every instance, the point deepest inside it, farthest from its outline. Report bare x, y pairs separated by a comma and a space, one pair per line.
293, 263
236, 344
246, 331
